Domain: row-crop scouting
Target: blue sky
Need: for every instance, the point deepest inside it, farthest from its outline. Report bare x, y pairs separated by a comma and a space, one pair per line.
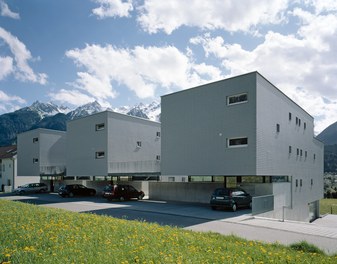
122, 52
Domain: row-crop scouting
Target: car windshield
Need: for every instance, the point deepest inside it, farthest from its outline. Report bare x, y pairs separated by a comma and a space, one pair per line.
24, 186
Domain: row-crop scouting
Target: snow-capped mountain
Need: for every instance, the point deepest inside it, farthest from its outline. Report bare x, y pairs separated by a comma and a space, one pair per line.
45, 109
149, 111
51, 116
87, 109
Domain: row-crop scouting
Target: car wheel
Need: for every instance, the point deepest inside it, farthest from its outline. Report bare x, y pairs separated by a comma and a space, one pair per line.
140, 197
234, 207
71, 194
121, 198
213, 207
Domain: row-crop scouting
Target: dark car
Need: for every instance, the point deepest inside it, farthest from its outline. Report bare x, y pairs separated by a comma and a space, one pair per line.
31, 188
122, 192
232, 198
72, 190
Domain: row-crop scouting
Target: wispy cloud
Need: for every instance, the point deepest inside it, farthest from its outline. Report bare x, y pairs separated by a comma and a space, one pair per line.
18, 63
10, 102
146, 71
6, 12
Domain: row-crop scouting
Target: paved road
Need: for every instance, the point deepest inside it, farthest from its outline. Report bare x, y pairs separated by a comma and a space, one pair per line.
199, 217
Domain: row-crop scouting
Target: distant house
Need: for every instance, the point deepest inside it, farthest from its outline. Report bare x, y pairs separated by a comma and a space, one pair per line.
242, 131
109, 145
41, 155
8, 167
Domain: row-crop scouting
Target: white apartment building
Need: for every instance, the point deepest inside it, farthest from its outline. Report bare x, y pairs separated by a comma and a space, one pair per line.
242, 131
41, 155
8, 167
110, 145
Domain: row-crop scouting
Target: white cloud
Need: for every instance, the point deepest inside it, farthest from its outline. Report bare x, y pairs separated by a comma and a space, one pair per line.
143, 70
230, 15
73, 97
10, 103
6, 12
20, 67
6, 67
305, 59
113, 8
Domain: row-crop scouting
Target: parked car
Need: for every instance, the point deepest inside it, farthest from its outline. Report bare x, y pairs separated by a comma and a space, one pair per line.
232, 198
72, 190
31, 188
122, 192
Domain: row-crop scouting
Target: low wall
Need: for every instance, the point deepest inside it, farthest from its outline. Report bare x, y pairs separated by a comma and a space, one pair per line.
182, 191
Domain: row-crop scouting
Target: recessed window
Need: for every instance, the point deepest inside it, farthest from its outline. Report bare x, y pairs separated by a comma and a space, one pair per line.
300, 182
139, 144
289, 149
306, 154
314, 156
237, 142
301, 152
158, 134
296, 120
289, 116
312, 182
100, 126
299, 122
296, 183
100, 154
237, 99
277, 128
298, 151
35, 160
305, 125
35, 140
158, 157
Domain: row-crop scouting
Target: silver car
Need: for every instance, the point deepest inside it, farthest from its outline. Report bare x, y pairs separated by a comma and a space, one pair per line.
31, 188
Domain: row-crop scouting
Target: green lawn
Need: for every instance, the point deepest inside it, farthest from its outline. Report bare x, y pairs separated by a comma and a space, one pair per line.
34, 234
328, 206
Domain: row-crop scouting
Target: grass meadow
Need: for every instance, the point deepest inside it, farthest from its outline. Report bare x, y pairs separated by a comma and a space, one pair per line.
328, 206
34, 234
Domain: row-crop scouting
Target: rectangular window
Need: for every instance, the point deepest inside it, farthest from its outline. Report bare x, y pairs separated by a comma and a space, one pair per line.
306, 154
289, 149
158, 134
35, 160
158, 157
314, 156
35, 140
305, 125
297, 151
296, 183
312, 182
100, 126
237, 142
300, 182
237, 99
301, 152
100, 154
139, 144
296, 120
289, 116
277, 128
299, 122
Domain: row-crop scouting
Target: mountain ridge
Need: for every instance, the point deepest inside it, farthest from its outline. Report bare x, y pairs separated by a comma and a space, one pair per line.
51, 116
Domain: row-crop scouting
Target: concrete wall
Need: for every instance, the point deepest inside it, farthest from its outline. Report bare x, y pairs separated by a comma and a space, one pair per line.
118, 140
49, 150
197, 122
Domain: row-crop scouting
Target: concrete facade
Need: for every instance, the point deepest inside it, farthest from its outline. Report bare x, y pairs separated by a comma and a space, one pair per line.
113, 144
41, 152
244, 126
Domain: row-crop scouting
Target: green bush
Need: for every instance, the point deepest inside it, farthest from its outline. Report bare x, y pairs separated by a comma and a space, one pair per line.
306, 247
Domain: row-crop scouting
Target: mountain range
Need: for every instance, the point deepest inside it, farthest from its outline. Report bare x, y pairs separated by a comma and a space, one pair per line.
52, 116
